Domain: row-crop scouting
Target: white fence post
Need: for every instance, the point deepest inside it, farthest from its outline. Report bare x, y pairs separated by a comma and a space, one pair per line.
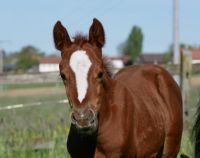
186, 67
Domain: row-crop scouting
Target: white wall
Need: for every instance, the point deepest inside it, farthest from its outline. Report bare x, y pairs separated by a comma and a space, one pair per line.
48, 67
195, 61
118, 64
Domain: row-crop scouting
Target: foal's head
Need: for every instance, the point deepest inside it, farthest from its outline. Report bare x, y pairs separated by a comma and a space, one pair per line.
83, 72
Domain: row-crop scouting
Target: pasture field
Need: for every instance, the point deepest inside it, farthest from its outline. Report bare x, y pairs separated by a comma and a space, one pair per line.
34, 130
40, 130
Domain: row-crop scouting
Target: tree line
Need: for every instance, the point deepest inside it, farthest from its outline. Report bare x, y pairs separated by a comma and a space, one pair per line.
24, 59
30, 56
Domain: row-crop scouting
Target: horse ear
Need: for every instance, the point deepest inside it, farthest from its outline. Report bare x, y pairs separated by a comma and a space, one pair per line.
96, 33
61, 36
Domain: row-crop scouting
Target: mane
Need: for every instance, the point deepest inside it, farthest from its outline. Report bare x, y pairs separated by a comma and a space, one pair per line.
108, 66
80, 39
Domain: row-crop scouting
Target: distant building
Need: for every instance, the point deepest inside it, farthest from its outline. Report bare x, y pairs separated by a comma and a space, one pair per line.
8, 67
119, 62
195, 53
49, 64
116, 62
150, 58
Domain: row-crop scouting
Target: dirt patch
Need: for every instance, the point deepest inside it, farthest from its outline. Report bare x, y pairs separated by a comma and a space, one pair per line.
195, 81
32, 91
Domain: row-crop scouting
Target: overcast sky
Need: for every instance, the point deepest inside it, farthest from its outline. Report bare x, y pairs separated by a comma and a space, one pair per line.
30, 22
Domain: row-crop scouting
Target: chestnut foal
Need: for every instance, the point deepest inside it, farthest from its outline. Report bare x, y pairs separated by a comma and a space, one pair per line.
137, 113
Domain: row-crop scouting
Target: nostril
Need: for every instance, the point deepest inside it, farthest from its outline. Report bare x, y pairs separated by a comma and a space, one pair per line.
77, 115
73, 119
92, 113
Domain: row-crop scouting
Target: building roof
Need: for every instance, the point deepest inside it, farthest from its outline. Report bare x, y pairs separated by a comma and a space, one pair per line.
151, 58
51, 59
195, 53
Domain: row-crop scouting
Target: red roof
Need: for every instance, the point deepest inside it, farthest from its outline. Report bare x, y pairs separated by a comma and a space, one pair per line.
195, 53
51, 59
123, 58
151, 58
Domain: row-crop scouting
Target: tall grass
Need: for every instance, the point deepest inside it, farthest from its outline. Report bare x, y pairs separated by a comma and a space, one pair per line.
37, 131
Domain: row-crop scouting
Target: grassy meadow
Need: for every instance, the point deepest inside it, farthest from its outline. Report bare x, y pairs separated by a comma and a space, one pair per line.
34, 130
40, 130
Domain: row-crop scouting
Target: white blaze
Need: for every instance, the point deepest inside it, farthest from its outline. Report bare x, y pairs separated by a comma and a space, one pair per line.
80, 64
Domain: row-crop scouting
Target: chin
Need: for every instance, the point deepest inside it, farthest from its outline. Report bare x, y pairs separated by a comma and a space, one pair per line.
87, 129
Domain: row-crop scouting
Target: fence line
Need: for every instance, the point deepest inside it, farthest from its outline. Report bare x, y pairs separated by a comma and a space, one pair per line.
10, 107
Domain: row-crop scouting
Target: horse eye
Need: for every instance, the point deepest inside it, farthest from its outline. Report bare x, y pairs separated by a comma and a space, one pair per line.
63, 76
100, 75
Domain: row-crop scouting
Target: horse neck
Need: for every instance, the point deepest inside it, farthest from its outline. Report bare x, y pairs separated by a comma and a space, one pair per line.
114, 110
109, 84
107, 98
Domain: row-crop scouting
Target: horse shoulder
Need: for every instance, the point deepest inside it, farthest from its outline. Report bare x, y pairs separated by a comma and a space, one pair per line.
146, 76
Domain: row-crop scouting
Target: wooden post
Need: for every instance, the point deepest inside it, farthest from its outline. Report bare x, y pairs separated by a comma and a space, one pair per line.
186, 67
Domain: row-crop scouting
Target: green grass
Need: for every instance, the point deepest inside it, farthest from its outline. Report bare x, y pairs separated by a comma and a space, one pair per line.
187, 144
23, 129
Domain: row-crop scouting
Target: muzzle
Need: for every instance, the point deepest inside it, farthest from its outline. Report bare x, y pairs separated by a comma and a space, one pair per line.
86, 121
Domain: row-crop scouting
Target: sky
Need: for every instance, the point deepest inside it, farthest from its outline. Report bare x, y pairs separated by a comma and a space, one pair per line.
30, 22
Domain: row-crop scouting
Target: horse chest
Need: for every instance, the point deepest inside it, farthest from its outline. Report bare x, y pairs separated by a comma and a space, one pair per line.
112, 141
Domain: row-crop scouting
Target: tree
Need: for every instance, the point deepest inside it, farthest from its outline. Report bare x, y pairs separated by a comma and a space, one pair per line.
134, 43
28, 57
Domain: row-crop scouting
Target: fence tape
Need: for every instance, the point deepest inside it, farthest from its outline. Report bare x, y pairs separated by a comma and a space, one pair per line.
9, 107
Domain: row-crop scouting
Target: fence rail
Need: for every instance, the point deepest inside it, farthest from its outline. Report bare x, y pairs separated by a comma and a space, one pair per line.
30, 78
